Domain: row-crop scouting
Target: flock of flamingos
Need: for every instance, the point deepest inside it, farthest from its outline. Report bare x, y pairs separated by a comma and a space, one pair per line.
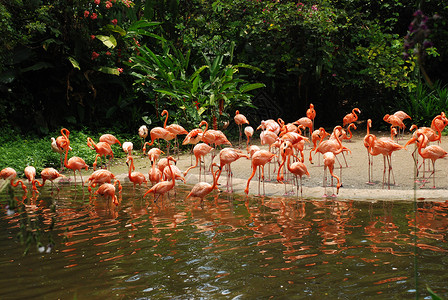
286, 144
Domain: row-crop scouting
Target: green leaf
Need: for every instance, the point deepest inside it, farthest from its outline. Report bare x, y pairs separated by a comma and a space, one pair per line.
108, 41
75, 64
115, 28
201, 110
108, 70
249, 87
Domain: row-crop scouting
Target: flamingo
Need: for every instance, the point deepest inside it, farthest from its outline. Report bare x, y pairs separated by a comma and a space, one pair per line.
367, 145
134, 176
11, 174
386, 147
202, 189
298, 169
143, 133
159, 133
226, 157
215, 137
249, 132
175, 171
200, 151
75, 162
102, 149
108, 190
58, 145
30, 173
155, 175
259, 159
351, 117
311, 114
110, 139
47, 174
317, 135
100, 177
439, 122
240, 120
395, 121
270, 125
307, 122
329, 160
161, 188
433, 152
128, 147
193, 137
252, 149
174, 129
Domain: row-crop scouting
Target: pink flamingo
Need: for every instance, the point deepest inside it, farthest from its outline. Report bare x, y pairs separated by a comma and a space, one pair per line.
75, 163
311, 114
108, 190
161, 188
240, 120
226, 157
202, 189
351, 117
101, 149
433, 152
47, 174
110, 139
259, 159
386, 147
249, 132
134, 176
298, 168
11, 174
175, 129
100, 177
200, 151
329, 160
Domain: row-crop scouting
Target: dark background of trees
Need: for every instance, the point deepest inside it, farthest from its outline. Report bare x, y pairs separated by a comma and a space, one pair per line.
334, 54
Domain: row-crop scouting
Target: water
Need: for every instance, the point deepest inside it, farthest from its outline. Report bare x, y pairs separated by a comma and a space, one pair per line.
228, 247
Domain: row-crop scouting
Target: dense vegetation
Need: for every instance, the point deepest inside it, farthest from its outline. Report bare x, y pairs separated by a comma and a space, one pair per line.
97, 66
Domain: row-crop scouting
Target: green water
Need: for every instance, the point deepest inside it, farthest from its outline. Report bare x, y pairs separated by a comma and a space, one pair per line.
228, 247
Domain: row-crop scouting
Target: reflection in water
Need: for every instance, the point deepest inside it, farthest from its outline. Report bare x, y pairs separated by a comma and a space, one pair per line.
225, 246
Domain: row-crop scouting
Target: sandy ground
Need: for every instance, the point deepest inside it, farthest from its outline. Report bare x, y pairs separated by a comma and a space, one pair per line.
354, 177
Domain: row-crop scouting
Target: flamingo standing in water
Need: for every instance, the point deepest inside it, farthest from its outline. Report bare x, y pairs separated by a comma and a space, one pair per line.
108, 190
100, 177
47, 174
329, 160
433, 152
259, 159
202, 189
240, 120
161, 188
11, 174
30, 173
134, 176
102, 149
351, 117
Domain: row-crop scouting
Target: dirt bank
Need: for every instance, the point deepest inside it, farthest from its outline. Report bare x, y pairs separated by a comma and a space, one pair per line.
354, 177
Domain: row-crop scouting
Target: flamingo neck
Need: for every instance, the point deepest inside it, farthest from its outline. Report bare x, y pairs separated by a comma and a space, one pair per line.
166, 119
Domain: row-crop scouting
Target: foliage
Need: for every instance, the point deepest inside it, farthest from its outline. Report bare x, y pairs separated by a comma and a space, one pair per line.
18, 152
424, 103
168, 76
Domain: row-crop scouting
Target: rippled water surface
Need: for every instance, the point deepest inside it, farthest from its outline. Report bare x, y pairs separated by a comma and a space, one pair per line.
227, 247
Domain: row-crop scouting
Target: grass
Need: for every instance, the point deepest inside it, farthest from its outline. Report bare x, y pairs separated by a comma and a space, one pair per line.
17, 151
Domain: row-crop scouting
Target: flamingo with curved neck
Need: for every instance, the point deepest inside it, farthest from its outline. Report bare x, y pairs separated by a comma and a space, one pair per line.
163, 187
75, 162
202, 189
